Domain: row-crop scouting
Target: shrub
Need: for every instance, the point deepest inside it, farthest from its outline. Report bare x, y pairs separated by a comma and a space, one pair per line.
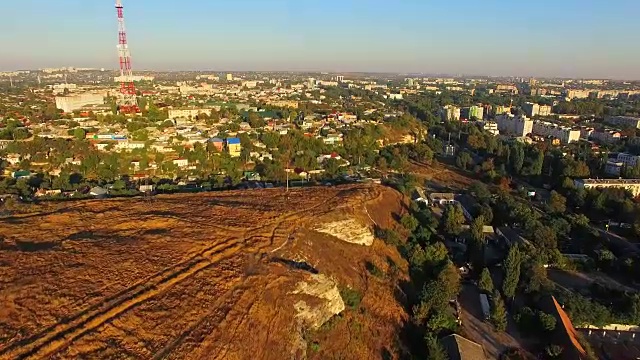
547, 322
374, 270
389, 236
351, 297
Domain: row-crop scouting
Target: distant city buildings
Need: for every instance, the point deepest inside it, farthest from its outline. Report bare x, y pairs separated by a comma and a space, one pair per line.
135, 78
229, 77
506, 89
188, 112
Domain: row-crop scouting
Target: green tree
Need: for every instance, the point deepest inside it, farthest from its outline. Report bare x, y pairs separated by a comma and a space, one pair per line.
480, 191
79, 133
512, 272
409, 222
498, 312
517, 157
477, 230
485, 284
557, 203
464, 160
538, 161
547, 322
452, 220
537, 279
434, 348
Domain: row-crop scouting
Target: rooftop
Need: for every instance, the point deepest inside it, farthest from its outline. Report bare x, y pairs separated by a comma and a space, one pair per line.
460, 348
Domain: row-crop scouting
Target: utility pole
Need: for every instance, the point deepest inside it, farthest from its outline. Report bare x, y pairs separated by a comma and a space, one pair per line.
287, 171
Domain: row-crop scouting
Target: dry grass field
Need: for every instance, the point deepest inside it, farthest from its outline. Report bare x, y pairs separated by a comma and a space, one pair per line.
195, 276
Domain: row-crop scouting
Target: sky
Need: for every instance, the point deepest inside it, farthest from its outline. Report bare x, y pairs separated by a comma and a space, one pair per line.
543, 38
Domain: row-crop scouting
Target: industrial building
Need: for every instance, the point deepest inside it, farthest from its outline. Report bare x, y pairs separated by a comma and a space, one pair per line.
76, 102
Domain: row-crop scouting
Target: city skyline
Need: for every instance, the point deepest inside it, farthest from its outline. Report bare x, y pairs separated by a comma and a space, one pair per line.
568, 38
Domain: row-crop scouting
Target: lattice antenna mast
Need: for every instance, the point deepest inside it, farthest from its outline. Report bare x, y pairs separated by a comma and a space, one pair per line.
127, 101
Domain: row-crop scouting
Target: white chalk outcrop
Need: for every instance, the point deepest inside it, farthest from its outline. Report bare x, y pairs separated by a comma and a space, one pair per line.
329, 302
349, 230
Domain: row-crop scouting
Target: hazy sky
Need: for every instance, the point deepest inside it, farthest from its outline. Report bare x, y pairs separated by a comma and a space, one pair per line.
572, 38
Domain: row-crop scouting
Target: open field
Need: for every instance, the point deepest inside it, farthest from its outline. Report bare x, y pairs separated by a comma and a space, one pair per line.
214, 275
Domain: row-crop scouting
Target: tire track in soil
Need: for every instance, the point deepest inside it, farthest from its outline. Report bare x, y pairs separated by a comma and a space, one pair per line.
212, 317
62, 334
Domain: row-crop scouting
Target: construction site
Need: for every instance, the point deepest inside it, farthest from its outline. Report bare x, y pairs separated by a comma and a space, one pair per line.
256, 274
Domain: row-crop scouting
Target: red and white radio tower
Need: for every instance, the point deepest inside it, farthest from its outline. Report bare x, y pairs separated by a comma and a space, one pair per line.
127, 102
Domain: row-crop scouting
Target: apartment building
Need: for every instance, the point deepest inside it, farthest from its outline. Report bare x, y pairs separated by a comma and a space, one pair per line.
473, 112
565, 134
631, 185
517, 126
499, 110
630, 121
533, 109
491, 127
629, 160
450, 113
578, 93
606, 136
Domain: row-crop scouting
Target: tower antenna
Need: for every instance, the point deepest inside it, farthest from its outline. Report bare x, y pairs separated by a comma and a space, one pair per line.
127, 102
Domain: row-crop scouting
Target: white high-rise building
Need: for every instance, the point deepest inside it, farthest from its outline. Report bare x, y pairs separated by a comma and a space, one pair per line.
518, 126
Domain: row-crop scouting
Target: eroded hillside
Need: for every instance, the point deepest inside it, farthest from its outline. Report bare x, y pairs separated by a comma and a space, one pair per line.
231, 275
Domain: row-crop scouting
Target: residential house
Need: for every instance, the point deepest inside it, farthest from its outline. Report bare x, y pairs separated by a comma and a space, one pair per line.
234, 147
460, 348
181, 163
419, 196
442, 198
217, 143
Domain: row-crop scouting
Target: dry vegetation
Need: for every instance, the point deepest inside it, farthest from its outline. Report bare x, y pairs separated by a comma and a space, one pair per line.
196, 276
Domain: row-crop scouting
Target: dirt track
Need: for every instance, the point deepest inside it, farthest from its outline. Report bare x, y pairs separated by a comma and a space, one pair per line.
182, 276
